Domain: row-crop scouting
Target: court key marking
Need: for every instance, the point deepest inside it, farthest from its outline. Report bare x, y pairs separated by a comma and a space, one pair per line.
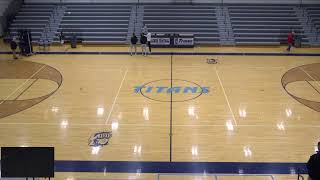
23, 84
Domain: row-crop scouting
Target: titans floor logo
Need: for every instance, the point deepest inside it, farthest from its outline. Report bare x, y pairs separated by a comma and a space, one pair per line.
175, 90
100, 139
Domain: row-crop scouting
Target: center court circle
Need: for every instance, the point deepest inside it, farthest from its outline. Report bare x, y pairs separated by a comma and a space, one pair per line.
181, 90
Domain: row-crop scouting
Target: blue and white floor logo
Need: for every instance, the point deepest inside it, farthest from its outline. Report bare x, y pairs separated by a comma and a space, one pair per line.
181, 90
100, 139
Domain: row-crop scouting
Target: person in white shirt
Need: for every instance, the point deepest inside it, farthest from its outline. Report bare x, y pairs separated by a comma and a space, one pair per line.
149, 41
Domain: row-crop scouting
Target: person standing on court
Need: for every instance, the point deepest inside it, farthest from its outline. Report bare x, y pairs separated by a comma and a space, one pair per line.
143, 41
61, 39
14, 45
290, 40
149, 41
133, 44
313, 165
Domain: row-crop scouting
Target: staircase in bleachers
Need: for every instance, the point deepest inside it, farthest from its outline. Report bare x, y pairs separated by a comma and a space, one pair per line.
264, 24
199, 20
33, 17
225, 27
313, 14
49, 32
97, 23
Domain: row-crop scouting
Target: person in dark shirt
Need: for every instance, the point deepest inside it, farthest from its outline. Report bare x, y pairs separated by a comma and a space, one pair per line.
133, 44
14, 45
61, 39
143, 41
313, 165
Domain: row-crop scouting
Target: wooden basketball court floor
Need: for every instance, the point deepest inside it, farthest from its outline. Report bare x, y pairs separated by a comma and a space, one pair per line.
162, 108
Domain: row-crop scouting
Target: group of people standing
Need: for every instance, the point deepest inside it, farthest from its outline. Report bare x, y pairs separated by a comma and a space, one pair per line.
145, 41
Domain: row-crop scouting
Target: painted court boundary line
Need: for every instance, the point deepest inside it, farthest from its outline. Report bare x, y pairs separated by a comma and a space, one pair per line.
115, 99
178, 53
21, 85
181, 167
226, 97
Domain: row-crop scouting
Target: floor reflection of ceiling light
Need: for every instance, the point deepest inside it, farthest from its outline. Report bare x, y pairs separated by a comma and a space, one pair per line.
100, 111
137, 149
292, 170
281, 126
114, 125
240, 171
104, 171
138, 173
288, 112
146, 113
191, 111
64, 124
54, 109
229, 126
194, 150
247, 151
242, 113
120, 115
95, 150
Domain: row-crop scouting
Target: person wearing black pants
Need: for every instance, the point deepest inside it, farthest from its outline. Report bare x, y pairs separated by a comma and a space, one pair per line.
14, 46
143, 41
313, 165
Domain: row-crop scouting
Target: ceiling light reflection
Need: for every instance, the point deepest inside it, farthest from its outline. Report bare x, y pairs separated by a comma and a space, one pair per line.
64, 124
137, 149
54, 109
288, 112
242, 113
247, 151
194, 150
114, 125
146, 113
229, 125
281, 126
191, 111
100, 111
95, 150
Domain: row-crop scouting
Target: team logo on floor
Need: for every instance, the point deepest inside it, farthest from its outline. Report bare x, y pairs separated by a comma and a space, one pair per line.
175, 90
100, 139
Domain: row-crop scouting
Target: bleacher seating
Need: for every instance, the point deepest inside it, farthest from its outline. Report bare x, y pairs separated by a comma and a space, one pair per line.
33, 17
314, 15
3, 6
264, 24
103, 23
199, 20
97, 23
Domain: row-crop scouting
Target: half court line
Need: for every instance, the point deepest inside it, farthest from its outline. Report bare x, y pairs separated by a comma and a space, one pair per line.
225, 95
23, 84
115, 99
